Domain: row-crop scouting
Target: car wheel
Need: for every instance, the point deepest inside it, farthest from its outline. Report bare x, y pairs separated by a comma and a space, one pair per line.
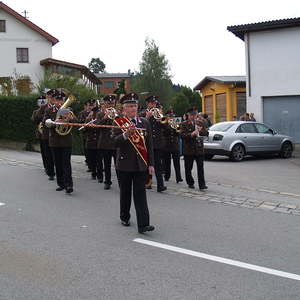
208, 156
237, 153
286, 150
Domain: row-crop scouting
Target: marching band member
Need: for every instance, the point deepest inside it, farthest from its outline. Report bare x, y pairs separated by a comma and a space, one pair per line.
92, 136
171, 149
37, 118
81, 119
134, 162
49, 161
192, 132
106, 148
158, 141
61, 145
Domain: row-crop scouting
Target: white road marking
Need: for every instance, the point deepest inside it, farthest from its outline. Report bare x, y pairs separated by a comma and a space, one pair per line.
219, 259
1, 203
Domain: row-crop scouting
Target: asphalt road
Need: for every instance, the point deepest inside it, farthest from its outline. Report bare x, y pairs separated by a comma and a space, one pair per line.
55, 246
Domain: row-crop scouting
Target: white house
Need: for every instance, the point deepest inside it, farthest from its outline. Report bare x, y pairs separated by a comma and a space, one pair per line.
22, 45
273, 72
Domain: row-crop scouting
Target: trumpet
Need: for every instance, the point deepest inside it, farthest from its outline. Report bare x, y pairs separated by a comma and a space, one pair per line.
157, 115
174, 125
112, 113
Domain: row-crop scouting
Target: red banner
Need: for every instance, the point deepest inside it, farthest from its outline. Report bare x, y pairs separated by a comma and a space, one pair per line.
137, 139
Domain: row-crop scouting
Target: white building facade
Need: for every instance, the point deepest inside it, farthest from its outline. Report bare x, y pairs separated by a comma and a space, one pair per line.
22, 46
273, 72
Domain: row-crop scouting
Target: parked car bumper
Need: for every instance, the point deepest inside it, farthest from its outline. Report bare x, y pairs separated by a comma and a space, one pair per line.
215, 149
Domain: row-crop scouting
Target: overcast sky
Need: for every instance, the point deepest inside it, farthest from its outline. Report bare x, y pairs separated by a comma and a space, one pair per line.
191, 33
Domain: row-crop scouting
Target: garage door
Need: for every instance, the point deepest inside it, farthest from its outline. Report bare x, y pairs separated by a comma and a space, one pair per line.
282, 113
208, 101
221, 106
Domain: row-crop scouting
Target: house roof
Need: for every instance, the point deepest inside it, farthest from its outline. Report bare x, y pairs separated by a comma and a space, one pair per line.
113, 75
28, 23
83, 69
240, 30
220, 79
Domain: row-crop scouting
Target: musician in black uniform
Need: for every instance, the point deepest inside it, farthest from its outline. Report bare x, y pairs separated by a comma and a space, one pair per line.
92, 136
37, 119
81, 119
106, 147
61, 145
171, 149
158, 141
39, 116
133, 170
192, 132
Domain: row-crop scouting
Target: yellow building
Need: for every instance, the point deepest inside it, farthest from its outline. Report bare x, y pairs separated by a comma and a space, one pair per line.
223, 97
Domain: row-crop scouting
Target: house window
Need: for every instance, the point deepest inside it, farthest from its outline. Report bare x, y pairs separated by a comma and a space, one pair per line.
22, 55
2, 26
108, 84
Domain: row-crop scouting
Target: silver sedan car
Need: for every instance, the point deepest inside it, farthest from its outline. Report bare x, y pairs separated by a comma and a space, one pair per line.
238, 139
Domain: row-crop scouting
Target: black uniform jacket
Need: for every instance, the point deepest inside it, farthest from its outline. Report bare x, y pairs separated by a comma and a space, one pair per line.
128, 159
192, 145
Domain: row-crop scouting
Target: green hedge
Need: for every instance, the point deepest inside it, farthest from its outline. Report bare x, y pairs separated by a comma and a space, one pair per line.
16, 125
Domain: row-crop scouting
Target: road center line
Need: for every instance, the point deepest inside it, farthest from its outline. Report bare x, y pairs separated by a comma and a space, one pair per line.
1, 203
219, 259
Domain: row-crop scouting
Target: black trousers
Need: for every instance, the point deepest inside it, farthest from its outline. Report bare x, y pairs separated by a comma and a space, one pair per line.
95, 163
158, 168
62, 160
85, 151
43, 155
47, 157
107, 155
167, 157
133, 181
188, 165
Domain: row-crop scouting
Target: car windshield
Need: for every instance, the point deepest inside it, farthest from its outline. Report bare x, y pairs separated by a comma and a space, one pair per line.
221, 127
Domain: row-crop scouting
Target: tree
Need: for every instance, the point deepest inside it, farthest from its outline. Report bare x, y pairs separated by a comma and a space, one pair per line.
153, 75
193, 97
73, 84
96, 65
180, 103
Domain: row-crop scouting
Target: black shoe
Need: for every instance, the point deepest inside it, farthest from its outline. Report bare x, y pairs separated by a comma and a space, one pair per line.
161, 189
60, 188
146, 228
191, 186
179, 180
125, 223
69, 190
89, 170
93, 177
51, 178
107, 186
100, 180
149, 187
204, 187
167, 179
